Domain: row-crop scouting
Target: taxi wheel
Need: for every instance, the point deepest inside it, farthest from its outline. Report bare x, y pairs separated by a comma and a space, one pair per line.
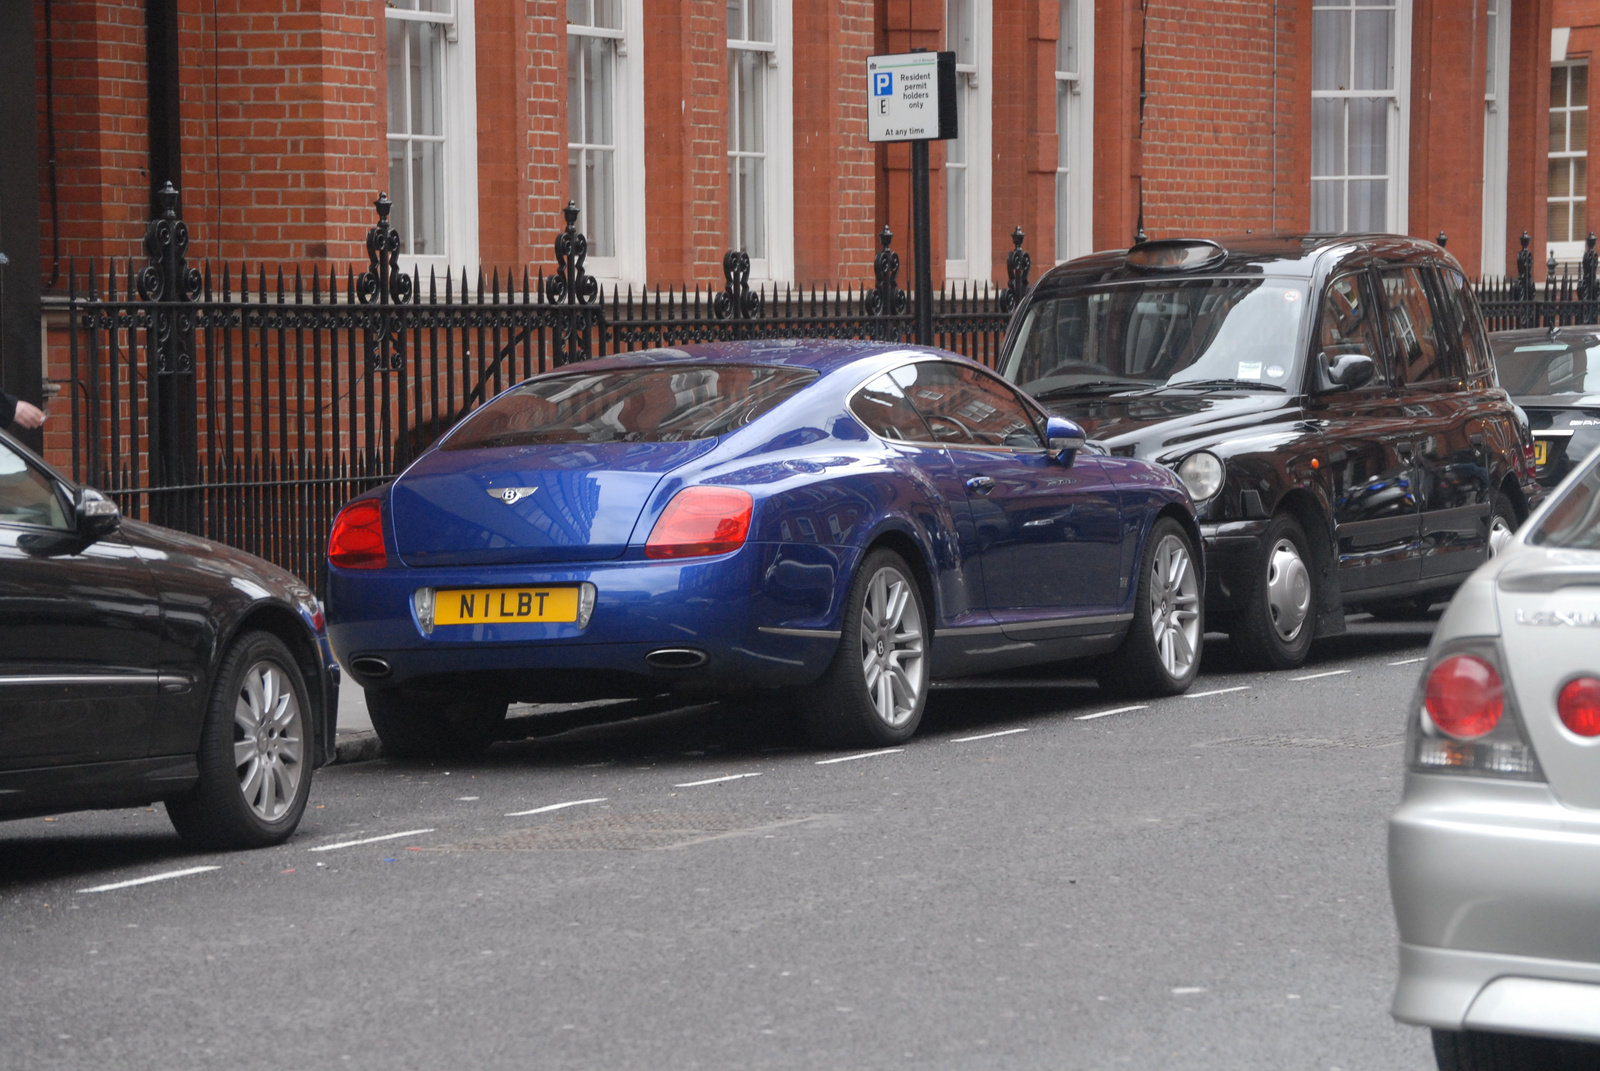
1160, 654
1279, 613
1503, 522
255, 756
1474, 1051
873, 692
423, 725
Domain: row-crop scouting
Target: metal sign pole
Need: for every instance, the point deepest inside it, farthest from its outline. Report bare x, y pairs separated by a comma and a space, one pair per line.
921, 242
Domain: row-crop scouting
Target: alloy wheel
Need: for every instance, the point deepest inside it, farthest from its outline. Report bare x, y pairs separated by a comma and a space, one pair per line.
1174, 607
892, 647
267, 740
1288, 589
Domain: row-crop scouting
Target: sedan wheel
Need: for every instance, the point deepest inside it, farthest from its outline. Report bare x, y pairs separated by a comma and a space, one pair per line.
253, 758
1160, 655
874, 690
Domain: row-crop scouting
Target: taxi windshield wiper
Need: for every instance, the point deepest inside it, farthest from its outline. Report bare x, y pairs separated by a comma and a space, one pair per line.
1223, 384
1089, 387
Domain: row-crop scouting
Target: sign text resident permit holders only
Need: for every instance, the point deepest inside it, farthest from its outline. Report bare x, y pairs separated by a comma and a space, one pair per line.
911, 97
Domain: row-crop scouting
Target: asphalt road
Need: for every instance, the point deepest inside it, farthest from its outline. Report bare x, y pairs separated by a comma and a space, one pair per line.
1039, 879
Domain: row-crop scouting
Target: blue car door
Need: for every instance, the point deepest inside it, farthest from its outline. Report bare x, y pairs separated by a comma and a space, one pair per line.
1049, 536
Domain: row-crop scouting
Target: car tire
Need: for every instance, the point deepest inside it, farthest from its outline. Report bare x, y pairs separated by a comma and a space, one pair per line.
874, 690
428, 726
1474, 1051
256, 753
1503, 525
1160, 654
1278, 616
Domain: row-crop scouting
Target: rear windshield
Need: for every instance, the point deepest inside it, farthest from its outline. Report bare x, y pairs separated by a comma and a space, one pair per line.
1574, 521
1161, 333
1552, 367
665, 404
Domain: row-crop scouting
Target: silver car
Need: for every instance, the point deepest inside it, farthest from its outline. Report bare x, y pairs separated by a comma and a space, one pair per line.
1494, 853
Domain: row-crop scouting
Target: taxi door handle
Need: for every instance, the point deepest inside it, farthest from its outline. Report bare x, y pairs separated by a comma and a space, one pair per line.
981, 485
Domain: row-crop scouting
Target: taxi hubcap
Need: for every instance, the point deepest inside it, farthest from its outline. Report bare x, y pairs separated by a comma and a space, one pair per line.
1288, 590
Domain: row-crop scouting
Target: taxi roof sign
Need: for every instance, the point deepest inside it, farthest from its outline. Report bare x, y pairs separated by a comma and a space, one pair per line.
911, 96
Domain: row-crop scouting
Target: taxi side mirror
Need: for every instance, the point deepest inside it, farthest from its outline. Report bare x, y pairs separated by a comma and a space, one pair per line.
1063, 439
1344, 372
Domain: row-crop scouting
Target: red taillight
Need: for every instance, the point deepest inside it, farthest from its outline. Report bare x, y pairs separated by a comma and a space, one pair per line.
357, 539
1465, 697
701, 520
1579, 706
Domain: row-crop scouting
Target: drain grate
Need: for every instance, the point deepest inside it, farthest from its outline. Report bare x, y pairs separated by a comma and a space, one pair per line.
628, 832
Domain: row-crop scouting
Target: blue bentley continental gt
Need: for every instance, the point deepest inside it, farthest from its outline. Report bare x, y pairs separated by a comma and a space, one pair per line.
843, 521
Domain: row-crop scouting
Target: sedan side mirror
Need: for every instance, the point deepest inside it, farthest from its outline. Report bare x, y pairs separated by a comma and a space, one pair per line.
1346, 371
1063, 439
95, 515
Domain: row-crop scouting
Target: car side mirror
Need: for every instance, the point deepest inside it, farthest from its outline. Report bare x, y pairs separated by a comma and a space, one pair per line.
1346, 371
95, 515
1063, 439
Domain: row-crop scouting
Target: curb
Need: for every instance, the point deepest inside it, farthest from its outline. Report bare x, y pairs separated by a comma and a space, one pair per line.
356, 747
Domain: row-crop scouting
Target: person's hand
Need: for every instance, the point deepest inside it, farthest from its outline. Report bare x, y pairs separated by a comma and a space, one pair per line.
28, 415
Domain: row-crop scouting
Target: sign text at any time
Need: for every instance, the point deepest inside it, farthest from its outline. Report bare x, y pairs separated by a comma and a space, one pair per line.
911, 96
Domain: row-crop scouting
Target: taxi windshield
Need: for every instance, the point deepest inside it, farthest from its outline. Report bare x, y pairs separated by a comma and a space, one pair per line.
1220, 333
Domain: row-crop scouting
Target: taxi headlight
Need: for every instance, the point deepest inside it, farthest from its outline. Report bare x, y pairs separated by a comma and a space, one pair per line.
1202, 474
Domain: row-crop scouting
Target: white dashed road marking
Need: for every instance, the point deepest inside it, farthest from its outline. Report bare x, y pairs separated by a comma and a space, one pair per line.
1185, 990
987, 736
1319, 676
369, 840
555, 807
716, 780
152, 877
1409, 661
1113, 710
863, 755
1218, 691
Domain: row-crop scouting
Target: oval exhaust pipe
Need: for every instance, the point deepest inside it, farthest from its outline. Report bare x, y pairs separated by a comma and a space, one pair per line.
677, 658
370, 666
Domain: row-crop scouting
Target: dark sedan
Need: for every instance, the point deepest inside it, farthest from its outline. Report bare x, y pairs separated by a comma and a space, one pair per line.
141, 664
1554, 374
1328, 401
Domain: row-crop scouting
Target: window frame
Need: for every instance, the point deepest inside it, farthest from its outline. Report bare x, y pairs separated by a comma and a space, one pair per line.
1399, 124
974, 98
628, 163
778, 153
1496, 138
1077, 89
1453, 360
1570, 251
459, 119
1384, 374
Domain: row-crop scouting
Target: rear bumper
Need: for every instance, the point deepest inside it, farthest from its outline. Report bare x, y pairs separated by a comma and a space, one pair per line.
722, 607
1494, 886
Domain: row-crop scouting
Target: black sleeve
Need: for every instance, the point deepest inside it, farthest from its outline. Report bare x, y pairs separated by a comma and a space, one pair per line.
8, 409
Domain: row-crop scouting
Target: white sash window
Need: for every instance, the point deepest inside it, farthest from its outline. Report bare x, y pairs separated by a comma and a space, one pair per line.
1359, 95
605, 134
1074, 136
968, 33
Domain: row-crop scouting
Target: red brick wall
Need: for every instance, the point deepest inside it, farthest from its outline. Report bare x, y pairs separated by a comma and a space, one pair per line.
1527, 177
835, 167
1220, 119
1449, 43
544, 87
1024, 145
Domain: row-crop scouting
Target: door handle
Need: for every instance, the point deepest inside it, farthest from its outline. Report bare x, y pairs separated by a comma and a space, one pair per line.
981, 485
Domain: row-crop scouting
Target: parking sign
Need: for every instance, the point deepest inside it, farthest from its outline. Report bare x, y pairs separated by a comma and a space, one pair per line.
911, 96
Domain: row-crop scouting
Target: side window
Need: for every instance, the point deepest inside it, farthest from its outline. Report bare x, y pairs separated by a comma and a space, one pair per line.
1426, 356
966, 407
1460, 309
28, 496
882, 406
1349, 323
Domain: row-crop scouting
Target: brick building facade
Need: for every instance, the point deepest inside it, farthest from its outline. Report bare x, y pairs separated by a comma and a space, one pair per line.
681, 134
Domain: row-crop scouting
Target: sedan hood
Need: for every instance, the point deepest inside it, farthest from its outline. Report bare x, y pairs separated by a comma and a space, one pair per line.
506, 505
1155, 425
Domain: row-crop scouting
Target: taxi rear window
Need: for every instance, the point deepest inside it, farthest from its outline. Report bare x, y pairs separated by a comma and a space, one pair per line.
667, 403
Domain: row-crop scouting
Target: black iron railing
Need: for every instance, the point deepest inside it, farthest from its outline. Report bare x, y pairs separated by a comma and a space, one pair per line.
247, 405
1562, 299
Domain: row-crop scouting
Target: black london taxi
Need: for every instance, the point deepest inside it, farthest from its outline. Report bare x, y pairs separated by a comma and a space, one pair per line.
1329, 402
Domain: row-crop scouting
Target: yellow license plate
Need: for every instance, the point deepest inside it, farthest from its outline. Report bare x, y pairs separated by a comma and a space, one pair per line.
1541, 452
497, 606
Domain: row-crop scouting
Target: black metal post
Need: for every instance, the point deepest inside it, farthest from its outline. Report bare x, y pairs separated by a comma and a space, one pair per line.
21, 370
162, 70
921, 243
171, 288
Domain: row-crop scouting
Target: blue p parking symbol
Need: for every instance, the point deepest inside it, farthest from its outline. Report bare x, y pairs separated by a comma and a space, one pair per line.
882, 83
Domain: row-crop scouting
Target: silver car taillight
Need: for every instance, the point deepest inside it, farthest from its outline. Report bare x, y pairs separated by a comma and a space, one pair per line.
1464, 718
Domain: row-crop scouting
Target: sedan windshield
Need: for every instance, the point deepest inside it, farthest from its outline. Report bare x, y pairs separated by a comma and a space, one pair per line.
663, 404
1553, 367
1200, 334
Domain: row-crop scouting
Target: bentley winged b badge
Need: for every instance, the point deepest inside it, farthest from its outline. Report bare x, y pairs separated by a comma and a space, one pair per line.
511, 495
